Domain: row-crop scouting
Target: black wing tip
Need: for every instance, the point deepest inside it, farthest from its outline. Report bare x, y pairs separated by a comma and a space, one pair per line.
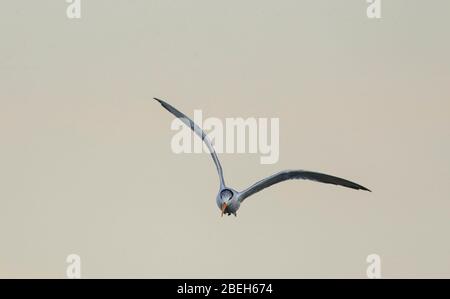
160, 101
364, 188
164, 104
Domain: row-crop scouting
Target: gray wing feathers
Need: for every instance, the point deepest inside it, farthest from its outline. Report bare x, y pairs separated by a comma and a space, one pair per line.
200, 133
297, 174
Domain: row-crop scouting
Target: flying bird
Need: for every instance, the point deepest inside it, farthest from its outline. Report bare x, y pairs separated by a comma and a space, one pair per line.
228, 199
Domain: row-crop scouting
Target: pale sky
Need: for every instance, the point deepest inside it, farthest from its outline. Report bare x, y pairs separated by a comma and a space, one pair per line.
87, 168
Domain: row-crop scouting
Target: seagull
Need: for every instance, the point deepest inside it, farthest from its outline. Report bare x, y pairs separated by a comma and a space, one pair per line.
228, 199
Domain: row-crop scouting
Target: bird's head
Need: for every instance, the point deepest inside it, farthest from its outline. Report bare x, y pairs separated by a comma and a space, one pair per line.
227, 201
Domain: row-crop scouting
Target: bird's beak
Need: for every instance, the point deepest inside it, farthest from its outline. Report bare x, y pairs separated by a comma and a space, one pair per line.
224, 206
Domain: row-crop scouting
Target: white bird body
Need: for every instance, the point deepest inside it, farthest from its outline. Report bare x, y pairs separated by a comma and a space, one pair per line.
230, 198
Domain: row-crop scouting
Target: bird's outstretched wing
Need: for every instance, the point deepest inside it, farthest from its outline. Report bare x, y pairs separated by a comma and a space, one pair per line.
200, 133
297, 174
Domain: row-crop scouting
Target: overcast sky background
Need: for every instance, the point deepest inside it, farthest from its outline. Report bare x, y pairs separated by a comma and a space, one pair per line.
86, 165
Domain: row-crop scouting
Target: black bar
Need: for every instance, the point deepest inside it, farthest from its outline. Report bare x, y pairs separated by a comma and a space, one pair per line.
308, 288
